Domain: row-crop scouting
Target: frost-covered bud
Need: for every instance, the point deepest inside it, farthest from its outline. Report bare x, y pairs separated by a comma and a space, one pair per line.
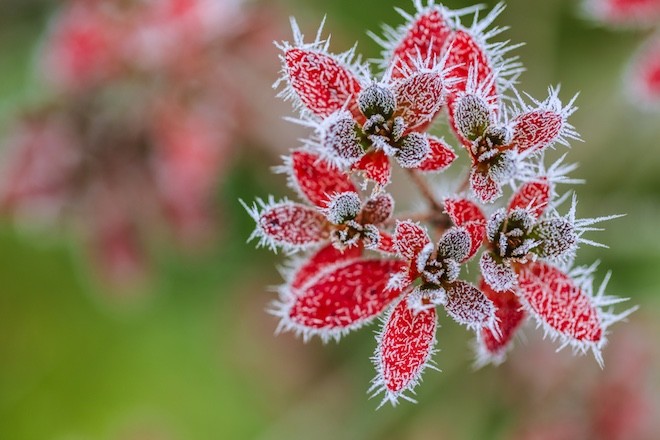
556, 236
414, 149
377, 99
472, 116
497, 273
509, 233
370, 236
343, 207
452, 269
522, 219
426, 297
504, 168
340, 138
455, 244
495, 223
378, 209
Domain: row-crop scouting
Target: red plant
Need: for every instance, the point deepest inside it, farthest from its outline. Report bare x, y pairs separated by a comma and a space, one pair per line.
361, 262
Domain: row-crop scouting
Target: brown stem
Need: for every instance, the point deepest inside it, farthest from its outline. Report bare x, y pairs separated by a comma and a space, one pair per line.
424, 188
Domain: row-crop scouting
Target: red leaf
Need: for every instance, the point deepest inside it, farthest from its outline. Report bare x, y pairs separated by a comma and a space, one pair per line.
323, 84
405, 347
409, 239
468, 215
376, 167
324, 258
562, 306
467, 305
629, 12
426, 36
484, 187
316, 179
510, 315
533, 196
440, 156
291, 225
341, 299
536, 130
465, 53
386, 243
419, 98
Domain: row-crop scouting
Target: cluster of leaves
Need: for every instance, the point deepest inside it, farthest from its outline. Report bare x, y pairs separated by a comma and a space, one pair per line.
138, 126
642, 79
356, 260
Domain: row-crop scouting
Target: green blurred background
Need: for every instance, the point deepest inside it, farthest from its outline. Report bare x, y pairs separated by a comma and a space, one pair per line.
193, 356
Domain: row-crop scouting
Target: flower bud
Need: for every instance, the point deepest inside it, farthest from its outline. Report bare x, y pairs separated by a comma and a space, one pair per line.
340, 139
343, 207
472, 116
377, 100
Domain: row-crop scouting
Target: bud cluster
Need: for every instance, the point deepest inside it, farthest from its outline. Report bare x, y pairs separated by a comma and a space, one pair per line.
362, 260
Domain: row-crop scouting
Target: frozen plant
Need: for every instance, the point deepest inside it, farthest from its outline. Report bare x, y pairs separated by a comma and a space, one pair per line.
354, 259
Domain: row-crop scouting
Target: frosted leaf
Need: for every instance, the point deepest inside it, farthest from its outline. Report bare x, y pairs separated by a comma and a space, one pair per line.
339, 300
426, 297
340, 139
409, 239
398, 128
419, 98
485, 189
439, 157
498, 274
414, 149
291, 226
323, 84
467, 53
375, 166
455, 244
564, 308
424, 35
315, 179
468, 306
532, 196
405, 347
557, 237
377, 99
321, 260
378, 209
536, 130
386, 243
472, 116
493, 343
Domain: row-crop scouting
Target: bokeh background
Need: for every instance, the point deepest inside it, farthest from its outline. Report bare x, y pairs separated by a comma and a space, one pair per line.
189, 353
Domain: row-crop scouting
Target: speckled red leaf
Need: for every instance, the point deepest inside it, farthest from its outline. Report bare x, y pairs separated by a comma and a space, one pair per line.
426, 36
510, 314
386, 243
466, 53
405, 347
316, 179
536, 130
420, 97
376, 166
484, 187
468, 305
321, 82
468, 215
292, 225
561, 305
440, 156
342, 299
409, 239
322, 259
534, 196
629, 12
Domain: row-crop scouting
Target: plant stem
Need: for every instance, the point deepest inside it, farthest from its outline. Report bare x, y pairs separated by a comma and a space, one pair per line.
424, 188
